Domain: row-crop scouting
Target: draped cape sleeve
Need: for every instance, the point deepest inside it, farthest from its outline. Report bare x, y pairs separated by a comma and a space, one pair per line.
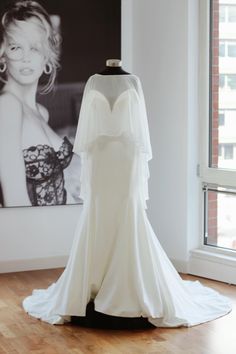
113, 105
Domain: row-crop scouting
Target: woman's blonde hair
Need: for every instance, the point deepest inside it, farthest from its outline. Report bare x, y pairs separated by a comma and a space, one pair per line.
23, 10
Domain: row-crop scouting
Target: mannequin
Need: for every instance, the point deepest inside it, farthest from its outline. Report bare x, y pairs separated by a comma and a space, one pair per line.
94, 318
113, 67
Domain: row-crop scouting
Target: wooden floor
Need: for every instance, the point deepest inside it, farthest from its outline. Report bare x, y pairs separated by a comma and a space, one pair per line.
22, 334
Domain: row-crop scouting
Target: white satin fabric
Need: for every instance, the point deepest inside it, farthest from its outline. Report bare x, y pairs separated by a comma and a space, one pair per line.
116, 258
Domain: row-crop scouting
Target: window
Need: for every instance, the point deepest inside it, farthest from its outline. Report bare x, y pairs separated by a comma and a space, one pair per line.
225, 152
227, 81
222, 123
227, 13
215, 255
221, 80
220, 150
222, 49
219, 155
228, 151
221, 118
222, 13
231, 81
227, 49
220, 218
232, 50
231, 13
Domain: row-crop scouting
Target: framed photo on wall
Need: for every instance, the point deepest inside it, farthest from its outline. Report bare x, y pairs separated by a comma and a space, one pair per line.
48, 50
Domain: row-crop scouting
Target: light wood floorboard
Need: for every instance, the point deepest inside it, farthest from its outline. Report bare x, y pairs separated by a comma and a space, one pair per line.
22, 334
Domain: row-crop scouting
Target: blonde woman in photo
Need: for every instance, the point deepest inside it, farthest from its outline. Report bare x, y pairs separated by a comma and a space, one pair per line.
32, 155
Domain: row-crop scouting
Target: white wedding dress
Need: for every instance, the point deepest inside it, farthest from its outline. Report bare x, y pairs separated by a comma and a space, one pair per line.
116, 258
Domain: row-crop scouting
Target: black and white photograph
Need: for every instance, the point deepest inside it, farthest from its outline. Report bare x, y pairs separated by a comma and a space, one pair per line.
48, 50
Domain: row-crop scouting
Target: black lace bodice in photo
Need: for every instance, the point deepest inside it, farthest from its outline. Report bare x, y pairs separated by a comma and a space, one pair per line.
44, 173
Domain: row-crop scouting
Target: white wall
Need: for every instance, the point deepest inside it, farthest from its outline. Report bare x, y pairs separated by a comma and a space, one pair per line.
36, 238
164, 56
159, 44
164, 51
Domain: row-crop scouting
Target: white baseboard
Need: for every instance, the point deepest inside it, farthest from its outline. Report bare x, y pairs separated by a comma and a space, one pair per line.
213, 266
19, 265
201, 263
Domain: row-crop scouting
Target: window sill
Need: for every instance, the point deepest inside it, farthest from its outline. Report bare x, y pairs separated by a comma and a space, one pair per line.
213, 264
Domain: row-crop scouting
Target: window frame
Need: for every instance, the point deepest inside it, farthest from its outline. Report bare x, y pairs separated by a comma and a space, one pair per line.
209, 176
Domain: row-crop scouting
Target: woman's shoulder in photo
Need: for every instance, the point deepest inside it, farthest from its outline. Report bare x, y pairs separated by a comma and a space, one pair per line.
11, 110
10, 102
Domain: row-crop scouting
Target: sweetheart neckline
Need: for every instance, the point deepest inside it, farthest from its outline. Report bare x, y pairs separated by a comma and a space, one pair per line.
117, 98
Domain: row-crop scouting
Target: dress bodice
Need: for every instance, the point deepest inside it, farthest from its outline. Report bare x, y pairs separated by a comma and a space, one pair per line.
113, 106
44, 173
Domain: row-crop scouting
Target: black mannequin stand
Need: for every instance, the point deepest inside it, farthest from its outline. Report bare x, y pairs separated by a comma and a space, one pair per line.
94, 319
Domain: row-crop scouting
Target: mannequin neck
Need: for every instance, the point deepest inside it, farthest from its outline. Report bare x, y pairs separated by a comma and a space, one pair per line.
114, 70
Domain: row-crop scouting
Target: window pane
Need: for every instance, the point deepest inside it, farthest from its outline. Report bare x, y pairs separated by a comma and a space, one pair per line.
220, 147
220, 214
221, 118
232, 13
231, 81
228, 151
222, 49
223, 86
232, 50
222, 13
221, 80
